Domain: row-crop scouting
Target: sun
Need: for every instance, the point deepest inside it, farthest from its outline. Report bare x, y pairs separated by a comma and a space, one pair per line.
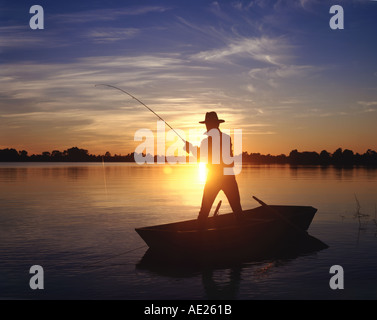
203, 171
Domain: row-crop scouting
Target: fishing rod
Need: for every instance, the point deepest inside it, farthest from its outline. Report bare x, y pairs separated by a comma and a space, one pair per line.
133, 97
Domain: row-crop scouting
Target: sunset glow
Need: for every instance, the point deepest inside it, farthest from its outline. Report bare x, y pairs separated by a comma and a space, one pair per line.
202, 170
274, 69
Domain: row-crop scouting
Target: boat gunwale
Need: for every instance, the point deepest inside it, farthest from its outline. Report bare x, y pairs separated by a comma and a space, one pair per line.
169, 227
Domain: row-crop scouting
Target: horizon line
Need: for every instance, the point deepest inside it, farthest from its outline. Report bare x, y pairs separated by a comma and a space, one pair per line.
109, 154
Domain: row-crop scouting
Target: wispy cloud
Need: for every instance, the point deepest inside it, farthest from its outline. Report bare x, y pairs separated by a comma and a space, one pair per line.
107, 35
368, 106
273, 75
106, 14
64, 92
264, 49
21, 36
367, 103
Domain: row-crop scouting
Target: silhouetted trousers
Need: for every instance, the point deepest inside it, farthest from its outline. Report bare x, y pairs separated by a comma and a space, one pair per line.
214, 184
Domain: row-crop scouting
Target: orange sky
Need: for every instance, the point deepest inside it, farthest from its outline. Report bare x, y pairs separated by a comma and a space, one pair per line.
287, 84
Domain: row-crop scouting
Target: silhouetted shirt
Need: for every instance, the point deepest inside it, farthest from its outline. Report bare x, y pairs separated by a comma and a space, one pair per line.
216, 151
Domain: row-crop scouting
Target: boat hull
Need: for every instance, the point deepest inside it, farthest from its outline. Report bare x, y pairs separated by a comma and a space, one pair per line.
259, 231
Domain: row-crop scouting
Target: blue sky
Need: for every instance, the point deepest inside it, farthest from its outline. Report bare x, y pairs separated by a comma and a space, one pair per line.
274, 69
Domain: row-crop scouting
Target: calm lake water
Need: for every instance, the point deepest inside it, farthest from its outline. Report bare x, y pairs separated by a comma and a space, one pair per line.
77, 221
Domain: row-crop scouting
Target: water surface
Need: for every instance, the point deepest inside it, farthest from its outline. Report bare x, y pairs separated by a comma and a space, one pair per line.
77, 221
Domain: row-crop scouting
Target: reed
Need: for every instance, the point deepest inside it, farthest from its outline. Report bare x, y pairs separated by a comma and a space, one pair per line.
359, 215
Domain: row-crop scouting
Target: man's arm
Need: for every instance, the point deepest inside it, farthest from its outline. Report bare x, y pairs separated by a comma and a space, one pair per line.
190, 148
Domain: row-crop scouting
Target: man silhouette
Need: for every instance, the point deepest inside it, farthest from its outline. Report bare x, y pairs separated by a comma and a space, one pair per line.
216, 150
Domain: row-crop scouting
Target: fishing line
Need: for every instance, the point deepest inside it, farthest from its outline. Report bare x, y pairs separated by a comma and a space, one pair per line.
133, 97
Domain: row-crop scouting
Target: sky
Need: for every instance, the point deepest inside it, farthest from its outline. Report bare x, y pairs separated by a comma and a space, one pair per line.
272, 68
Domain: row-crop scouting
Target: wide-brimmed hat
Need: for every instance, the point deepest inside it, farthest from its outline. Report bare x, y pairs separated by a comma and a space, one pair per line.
211, 117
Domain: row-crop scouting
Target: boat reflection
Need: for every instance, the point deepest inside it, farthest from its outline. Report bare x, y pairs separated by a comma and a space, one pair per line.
179, 265
221, 274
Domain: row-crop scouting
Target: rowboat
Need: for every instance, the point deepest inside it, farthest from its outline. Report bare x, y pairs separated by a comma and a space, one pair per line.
272, 228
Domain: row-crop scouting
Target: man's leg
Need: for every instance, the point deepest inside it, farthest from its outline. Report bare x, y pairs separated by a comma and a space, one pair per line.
211, 189
230, 188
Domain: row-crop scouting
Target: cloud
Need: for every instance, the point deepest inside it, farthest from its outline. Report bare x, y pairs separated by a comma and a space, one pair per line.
263, 49
274, 4
106, 35
58, 26
244, 6
44, 89
367, 103
219, 12
106, 14
270, 74
368, 106
21, 36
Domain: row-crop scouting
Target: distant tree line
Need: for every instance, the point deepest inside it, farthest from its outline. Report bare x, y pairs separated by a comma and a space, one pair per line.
339, 158
70, 155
